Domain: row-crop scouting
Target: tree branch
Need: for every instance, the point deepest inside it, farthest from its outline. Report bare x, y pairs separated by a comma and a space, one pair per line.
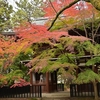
68, 6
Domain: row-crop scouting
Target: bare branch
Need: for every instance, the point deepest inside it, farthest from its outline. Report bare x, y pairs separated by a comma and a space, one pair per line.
56, 12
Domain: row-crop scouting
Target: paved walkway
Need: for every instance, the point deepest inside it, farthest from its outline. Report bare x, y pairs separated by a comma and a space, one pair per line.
62, 95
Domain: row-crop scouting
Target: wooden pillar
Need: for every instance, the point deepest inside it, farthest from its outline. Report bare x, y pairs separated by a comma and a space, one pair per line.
31, 79
31, 82
56, 79
77, 72
96, 69
47, 82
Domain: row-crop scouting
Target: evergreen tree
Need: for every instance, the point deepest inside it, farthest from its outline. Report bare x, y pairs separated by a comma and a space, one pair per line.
5, 15
27, 11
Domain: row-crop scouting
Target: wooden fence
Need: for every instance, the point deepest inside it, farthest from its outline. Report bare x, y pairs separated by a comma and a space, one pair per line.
60, 87
21, 92
83, 90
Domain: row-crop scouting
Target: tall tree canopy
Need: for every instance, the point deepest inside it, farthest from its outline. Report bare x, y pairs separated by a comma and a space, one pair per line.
5, 15
27, 11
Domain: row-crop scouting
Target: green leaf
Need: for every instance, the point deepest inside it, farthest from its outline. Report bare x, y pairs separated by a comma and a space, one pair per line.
87, 76
93, 61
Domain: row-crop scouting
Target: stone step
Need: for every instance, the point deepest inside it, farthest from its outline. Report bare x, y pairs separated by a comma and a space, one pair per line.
55, 98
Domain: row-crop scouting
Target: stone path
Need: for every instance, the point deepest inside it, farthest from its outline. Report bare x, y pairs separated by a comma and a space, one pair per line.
63, 95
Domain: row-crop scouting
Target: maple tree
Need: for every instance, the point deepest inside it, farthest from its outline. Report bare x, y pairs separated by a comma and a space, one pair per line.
32, 40
11, 48
95, 3
78, 14
88, 25
93, 33
55, 6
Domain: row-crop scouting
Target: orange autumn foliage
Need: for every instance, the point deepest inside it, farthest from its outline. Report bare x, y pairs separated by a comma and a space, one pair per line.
74, 11
26, 36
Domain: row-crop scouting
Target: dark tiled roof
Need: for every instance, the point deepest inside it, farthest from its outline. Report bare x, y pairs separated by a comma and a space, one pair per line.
8, 33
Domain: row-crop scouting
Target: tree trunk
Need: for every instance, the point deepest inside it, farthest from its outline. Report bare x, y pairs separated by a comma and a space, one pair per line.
95, 90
